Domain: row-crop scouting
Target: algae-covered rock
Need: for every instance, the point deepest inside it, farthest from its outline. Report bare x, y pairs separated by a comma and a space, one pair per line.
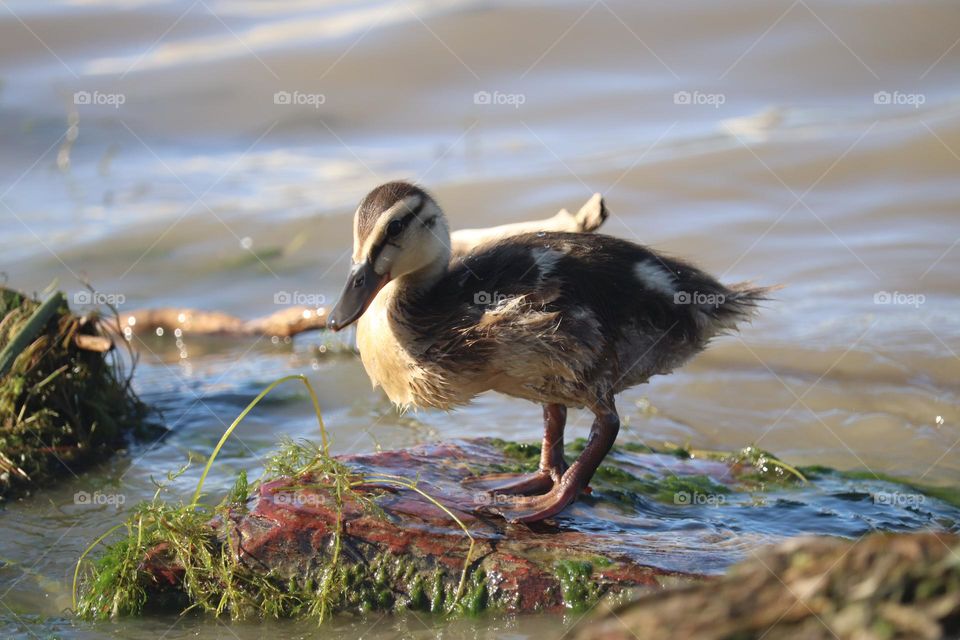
882, 586
62, 404
405, 529
389, 531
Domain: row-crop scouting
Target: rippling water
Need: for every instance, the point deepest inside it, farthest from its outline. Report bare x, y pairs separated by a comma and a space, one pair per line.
210, 154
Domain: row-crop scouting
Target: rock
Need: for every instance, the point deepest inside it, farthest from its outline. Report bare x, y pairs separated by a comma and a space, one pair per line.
408, 552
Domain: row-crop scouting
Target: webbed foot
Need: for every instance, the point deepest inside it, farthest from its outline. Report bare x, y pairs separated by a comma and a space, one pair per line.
514, 484
534, 508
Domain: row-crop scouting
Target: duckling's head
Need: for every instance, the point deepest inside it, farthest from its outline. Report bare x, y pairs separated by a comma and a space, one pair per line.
399, 232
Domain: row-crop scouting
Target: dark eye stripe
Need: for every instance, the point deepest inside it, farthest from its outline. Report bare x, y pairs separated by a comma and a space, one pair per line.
377, 249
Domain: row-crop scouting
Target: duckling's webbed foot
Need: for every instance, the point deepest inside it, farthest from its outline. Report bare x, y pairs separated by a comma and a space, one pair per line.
552, 464
515, 484
603, 433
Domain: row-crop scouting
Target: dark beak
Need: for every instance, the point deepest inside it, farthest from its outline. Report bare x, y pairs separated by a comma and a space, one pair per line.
363, 284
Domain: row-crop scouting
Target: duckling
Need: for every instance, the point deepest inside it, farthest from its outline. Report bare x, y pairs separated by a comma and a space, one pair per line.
560, 319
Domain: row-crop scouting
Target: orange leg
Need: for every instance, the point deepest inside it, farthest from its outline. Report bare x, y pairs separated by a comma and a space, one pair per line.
552, 465
603, 433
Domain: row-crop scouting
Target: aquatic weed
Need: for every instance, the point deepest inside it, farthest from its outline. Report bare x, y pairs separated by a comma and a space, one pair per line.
211, 578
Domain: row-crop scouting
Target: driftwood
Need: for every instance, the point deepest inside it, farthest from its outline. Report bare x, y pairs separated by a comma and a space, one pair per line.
284, 323
100, 344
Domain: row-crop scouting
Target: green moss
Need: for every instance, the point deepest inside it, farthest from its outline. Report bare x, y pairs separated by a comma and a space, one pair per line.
476, 598
417, 590
439, 591
579, 590
522, 451
625, 487
214, 580
687, 489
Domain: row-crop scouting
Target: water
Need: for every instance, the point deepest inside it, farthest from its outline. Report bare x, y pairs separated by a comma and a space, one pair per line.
812, 144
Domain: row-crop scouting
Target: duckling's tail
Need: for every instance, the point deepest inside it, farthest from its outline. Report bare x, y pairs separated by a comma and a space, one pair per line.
740, 304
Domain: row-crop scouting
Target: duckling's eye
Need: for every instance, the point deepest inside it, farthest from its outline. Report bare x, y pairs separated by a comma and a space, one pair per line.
394, 228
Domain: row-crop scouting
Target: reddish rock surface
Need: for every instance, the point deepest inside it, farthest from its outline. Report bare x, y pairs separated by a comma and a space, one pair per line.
288, 530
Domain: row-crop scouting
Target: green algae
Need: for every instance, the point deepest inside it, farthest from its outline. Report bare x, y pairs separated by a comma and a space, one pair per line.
178, 538
521, 450
476, 600
215, 581
669, 489
580, 591
438, 592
